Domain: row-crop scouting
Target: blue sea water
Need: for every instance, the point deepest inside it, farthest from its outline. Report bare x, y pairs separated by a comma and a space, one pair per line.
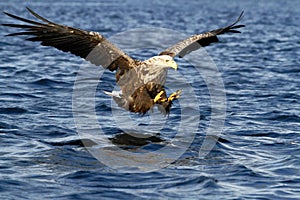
257, 155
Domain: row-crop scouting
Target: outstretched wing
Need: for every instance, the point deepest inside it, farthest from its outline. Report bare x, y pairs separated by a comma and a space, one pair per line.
89, 45
200, 40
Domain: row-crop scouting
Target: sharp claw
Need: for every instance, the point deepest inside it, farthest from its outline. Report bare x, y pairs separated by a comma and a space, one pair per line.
158, 97
175, 95
172, 97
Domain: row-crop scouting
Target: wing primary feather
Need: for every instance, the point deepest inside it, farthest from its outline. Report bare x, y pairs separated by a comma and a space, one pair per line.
238, 19
38, 16
19, 26
23, 19
22, 33
230, 28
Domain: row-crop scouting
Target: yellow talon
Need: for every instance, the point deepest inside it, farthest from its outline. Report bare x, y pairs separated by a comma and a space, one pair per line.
159, 98
175, 95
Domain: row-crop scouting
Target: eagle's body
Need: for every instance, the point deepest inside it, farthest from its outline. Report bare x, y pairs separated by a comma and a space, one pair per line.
141, 82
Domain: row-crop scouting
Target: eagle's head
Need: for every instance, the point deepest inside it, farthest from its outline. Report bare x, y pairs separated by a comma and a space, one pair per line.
162, 61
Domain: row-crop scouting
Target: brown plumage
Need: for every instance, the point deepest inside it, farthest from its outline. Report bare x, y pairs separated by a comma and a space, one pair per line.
141, 82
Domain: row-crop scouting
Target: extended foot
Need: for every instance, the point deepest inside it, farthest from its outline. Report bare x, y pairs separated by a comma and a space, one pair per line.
158, 98
175, 95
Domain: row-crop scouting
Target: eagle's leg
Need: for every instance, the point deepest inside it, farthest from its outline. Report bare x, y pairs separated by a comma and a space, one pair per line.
174, 95
165, 102
158, 98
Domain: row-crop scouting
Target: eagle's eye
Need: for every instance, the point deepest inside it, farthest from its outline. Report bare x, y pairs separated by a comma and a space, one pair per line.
167, 60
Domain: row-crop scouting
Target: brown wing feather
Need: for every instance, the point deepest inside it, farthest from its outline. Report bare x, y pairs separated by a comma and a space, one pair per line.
89, 45
200, 40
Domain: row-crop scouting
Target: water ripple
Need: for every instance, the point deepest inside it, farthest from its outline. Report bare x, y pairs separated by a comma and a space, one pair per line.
256, 157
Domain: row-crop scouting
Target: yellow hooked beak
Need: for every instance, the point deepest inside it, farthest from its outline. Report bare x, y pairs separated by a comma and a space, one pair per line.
173, 64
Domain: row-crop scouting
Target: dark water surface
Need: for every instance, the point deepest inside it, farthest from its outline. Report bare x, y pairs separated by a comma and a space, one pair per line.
257, 156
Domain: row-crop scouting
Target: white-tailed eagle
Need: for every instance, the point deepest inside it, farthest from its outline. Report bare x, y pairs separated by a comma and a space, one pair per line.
141, 82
